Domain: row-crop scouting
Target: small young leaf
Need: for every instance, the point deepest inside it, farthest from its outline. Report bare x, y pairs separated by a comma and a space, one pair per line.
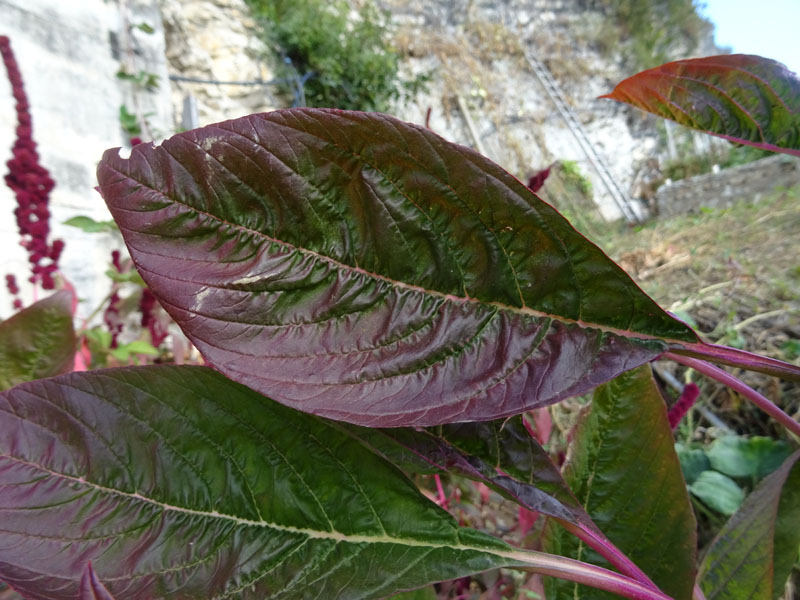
99, 339
754, 553
145, 27
364, 269
718, 491
89, 225
38, 341
127, 277
623, 468
125, 351
743, 98
129, 121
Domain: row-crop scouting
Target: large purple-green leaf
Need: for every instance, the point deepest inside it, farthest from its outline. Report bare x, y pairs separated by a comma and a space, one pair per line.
753, 554
740, 97
38, 341
175, 482
623, 468
178, 483
364, 269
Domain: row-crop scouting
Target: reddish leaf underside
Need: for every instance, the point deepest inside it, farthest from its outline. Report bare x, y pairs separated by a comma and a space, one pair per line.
364, 269
743, 98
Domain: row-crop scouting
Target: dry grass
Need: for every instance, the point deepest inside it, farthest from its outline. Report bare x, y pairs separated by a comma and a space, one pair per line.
735, 274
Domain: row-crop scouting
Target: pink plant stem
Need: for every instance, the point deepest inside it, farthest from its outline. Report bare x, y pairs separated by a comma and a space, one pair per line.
440, 490
591, 575
734, 357
603, 546
736, 384
697, 593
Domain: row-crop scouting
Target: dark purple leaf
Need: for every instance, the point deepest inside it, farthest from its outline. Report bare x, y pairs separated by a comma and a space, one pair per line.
364, 269
536, 181
743, 98
38, 341
500, 454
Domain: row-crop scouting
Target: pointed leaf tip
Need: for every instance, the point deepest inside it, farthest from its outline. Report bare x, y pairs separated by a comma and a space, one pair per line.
91, 587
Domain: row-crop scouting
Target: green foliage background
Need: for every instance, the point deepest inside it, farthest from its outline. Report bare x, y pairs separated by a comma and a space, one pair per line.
655, 31
345, 53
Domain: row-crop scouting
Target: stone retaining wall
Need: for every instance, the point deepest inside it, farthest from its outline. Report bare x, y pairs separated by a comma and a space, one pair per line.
748, 182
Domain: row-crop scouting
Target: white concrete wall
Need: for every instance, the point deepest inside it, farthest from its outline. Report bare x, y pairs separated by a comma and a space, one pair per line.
68, 53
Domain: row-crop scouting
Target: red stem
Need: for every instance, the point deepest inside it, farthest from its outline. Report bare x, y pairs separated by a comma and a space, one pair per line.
738, 385
742, 359
603, 546
591, 575
440, 490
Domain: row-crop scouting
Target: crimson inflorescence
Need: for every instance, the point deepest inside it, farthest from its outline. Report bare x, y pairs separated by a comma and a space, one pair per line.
31, 183
13, 289
111, 316
147, 304
688, 397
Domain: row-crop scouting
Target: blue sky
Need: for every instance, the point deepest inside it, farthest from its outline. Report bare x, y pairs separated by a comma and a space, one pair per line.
770, 28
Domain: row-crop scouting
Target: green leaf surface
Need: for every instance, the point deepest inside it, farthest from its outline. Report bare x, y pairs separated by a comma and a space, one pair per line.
753, 555
693, 462
753, 457
126, 277
38, 341
623, 468
718, 491
125, 351
176, 482
365, 269
743, 98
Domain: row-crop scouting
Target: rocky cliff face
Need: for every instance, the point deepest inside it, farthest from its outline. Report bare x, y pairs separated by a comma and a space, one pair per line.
477, 50
483, 91
216, 40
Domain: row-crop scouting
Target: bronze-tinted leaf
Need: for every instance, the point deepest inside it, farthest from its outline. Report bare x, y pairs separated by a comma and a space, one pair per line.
364, 269
740, 97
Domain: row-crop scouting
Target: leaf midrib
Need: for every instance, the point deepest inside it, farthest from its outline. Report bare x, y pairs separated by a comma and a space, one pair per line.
334, 535
522, 310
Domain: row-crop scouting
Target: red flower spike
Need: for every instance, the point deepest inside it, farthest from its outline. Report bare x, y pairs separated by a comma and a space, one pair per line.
30, 182
688, 397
